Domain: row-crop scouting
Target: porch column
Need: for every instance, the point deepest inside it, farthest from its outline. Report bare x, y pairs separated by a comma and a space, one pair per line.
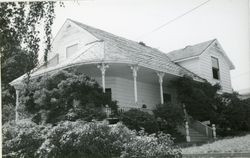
103, 68
17, 103
135, 68
161, 75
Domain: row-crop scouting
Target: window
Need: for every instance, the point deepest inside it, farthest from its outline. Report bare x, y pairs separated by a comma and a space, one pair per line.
70, 50
215, 68
167, 98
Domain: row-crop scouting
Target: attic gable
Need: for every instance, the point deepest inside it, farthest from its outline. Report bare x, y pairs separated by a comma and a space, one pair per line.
194, 51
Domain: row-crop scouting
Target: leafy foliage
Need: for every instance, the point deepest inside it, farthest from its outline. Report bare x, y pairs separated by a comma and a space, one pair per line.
83, 139
65, 95
22, 139
199, 97
169, 116
138, 120
227, 111
172, 114
20, 30
151, 146
232, 115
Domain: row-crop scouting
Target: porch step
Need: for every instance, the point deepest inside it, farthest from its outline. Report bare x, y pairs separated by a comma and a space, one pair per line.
195, 136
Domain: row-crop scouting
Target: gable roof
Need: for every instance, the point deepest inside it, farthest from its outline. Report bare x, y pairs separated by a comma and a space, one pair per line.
196, 50
190, 51
116, 46
120, 50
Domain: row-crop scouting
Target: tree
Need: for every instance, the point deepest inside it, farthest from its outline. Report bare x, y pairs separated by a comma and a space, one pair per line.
20, 39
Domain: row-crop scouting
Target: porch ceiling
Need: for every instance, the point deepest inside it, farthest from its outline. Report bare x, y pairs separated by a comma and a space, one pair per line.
124, 71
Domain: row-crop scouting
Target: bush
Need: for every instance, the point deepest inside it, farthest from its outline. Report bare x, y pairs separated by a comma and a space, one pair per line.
172, 114
65, 95
82, 139
151, 146
136, 119
169, 117
232, 115
22, 139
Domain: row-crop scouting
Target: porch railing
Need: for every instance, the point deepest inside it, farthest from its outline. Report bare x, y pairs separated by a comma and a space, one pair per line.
202, 128
124, 109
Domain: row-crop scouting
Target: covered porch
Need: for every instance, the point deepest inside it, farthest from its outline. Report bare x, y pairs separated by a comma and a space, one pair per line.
132, 86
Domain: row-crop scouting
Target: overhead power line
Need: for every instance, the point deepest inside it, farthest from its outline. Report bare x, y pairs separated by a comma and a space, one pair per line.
174, 19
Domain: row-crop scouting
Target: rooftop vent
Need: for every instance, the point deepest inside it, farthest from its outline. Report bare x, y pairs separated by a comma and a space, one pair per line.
142, 43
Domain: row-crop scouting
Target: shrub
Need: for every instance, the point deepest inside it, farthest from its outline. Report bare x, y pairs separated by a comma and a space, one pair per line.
138, 120
232, 115
169, 117
82, 139
151, 146
65, 95
172, 114
22, 139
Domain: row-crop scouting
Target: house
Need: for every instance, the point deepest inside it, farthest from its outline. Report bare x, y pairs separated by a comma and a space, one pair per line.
134, 74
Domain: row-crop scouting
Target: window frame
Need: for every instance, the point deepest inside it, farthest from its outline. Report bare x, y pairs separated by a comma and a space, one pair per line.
215, 69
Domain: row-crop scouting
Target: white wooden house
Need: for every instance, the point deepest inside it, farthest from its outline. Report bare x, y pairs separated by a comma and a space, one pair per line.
133, 73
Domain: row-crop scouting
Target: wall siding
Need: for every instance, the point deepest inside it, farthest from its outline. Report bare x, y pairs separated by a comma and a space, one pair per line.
123, 92
192, 65
206, 69
67, 37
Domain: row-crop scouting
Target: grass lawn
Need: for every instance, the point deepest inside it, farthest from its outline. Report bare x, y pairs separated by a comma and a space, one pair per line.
228, 145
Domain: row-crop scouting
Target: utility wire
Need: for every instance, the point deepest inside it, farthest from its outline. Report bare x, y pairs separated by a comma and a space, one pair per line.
174, 19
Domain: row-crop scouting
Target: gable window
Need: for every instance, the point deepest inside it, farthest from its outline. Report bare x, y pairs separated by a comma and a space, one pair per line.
70, 50
215, 68
167, 98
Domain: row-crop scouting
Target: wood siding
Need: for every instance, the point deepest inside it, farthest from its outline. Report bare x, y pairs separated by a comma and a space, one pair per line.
192, 65
202, 66
224, 70
123, 92
69, 36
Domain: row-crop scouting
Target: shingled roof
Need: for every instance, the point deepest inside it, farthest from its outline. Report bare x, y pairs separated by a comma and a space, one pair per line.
116, 47
190, 51
119, 49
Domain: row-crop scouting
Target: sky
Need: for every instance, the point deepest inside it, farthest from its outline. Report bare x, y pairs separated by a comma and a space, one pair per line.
225, 20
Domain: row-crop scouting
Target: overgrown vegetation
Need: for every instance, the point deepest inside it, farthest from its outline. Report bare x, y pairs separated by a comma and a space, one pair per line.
199, 97
64, 95
22, 23
81, 139
165, 118
227, 111
136, 119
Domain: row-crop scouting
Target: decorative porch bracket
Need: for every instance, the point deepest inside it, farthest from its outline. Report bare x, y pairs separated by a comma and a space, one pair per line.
103, 68
134, 69
161, 75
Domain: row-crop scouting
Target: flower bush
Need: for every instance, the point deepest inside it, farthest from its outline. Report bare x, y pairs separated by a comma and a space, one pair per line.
23, 138
83, 139
151, 146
